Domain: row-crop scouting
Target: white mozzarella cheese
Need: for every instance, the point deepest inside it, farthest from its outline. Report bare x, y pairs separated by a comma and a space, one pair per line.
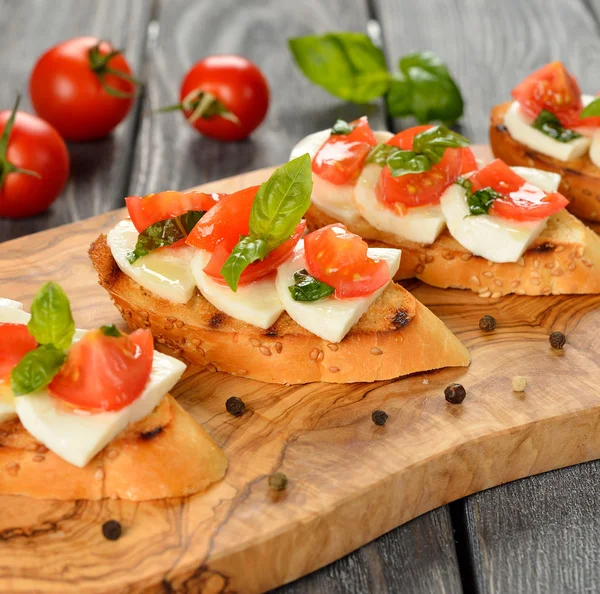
165, 272
256, 303
520, 128
330, 319
595, 149
10, 303
421, 224
78, 436
545, 180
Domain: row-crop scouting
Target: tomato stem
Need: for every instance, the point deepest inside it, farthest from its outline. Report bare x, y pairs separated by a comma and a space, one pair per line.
6, 166
202, 105
99, 65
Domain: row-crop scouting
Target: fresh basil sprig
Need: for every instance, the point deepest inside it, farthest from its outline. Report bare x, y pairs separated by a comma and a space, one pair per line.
550, 125
380, 153
111, 330
591, 109
53, 328
480, 201
349, 66
341, 128
278, 207
164, 233
406, 162
308, 288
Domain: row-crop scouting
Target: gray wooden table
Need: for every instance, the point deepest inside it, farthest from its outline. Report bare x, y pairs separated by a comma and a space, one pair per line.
540, 534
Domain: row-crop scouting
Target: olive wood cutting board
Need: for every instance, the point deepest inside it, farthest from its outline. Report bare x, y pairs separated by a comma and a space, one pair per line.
349, 480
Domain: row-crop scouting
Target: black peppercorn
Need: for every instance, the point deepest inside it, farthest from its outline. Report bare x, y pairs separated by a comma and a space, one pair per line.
379, 417
235, 406
487, 324
557, 340
111, 530
278, 481
455, 393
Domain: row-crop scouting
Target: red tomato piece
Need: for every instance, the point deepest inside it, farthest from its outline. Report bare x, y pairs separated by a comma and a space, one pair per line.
15, 343
551, 88
340, 160
256, 270
419, 189
339, 258
105, 373
521, 201
147, 210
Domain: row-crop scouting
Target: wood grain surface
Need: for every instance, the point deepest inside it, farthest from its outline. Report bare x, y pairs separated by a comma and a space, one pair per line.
350, 481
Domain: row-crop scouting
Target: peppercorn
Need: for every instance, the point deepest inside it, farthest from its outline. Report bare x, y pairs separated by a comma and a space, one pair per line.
278, 481
111, 530
455, 393
557, 340
235, 406
487, 324
379, 417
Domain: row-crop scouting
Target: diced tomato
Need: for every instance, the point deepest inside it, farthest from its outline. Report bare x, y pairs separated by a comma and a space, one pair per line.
147, 210
418, 189
15, 343
225, 222
105, 373
340, 160
551, 88
258, 269
521, 200
339, 258
469, 163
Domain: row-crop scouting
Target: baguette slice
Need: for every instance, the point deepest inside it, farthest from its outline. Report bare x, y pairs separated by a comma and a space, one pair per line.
167, 454
580, 177
396, 336
564, 259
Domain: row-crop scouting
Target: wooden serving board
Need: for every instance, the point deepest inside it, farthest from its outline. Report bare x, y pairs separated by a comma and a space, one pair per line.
349, 480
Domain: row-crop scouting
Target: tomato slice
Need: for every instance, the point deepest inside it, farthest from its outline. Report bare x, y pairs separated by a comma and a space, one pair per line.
340, 160
258, 269
551, 88
521, 200
419, 189
15, 343
147, 210
339, 258
105, 373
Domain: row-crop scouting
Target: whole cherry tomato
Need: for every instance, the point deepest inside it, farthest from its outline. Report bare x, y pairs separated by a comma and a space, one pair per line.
34, 164
83, 87
224, 97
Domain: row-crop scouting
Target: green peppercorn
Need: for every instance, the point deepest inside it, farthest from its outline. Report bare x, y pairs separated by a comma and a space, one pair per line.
455, 393
235, 406
379, 417
557, 340
487, 324
111, 530
278, 481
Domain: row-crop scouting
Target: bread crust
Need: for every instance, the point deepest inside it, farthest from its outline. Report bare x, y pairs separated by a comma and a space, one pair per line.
167, 454
564, 259
396, 337
580, 177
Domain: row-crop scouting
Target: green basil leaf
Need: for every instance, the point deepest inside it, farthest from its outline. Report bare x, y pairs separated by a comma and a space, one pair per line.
433, 142
246, 251
281, 202
407, 162
164, 233
308, 288
341, 128
591, 109
51, 318
425, 89
480, 201
380, 154
346, 65
465, 183
550, 125
36, 369
110, 330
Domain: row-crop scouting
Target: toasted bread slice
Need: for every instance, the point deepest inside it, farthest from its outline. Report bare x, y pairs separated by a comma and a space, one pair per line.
395, 337
580, 177
167, 454
564, 259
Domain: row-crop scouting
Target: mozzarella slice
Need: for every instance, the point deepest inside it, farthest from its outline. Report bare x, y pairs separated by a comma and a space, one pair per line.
330, 319
545, 180
165, 272
520, 128
595, 149
421, 224
257, 303
78, 436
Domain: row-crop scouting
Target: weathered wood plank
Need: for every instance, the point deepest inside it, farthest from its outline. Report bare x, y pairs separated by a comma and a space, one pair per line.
99, 170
